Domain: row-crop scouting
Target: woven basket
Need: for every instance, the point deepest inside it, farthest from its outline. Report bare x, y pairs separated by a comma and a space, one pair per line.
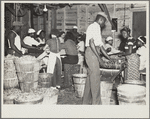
28, 76
45, 77
28, 86
131, 94
79, 84
27, 66
10, 83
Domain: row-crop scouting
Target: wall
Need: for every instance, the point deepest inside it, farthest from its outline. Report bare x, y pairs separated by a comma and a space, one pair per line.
83, 15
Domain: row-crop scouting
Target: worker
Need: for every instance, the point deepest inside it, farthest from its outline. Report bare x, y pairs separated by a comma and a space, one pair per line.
81, 49
141, 51
61, 39
133, 61
16, 46
54, 61
41, 36
71, 50
30, 38
109, 43
123, 39
75, 34
94, 45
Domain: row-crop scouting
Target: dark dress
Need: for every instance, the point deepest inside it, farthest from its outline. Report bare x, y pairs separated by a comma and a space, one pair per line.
133, 61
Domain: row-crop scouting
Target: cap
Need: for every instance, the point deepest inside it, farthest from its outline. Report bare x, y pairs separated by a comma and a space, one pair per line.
55, 32
102, 14
17, 23
31, 30
38, 33
75, 27
109, 38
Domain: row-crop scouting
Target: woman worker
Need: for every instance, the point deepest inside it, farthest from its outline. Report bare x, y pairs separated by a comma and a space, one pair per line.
133, 61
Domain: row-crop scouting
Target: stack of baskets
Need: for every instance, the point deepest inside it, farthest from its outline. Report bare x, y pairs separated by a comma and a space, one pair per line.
10, 77
27, 68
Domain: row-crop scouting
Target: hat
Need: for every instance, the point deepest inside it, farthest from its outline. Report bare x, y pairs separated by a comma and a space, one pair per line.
102, 14
55, 32
142, 39
17, 23
109, 38
31, 30
75, 27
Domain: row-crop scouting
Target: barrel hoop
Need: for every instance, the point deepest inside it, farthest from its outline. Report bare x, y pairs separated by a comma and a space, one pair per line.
27, 72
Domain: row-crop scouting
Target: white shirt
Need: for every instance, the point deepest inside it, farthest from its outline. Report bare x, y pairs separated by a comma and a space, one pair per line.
81, 46
30, 41
94, 31
17, 41
142, 52
113, 50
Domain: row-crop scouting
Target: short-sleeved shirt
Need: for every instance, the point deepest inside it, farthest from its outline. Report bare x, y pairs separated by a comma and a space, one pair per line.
94, 31
131, 42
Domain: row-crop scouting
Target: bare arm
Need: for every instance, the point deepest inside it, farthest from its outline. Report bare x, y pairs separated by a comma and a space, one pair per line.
26, 46
12, 41
104, 52
92, 45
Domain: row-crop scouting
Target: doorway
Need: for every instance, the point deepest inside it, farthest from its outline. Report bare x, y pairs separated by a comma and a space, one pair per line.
139, 24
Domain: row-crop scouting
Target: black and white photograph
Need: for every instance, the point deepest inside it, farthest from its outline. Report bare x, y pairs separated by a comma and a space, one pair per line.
73, 58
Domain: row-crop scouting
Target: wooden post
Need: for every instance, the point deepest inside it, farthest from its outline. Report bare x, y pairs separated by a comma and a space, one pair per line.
64, 19
53, 23
78, 18
86, 12
44, 21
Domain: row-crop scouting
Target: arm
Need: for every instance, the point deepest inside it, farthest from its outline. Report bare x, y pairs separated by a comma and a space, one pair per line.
26, 46
12, 40
104, 52
92, 45
130, 50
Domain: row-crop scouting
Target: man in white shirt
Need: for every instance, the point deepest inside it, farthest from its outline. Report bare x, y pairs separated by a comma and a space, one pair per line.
109, 43
29, 40
94, 45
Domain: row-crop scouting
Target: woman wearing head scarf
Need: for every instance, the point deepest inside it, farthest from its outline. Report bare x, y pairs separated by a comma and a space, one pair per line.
133, 60
141, 43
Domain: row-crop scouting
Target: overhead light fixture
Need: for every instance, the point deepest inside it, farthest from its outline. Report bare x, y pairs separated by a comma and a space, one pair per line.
45, 9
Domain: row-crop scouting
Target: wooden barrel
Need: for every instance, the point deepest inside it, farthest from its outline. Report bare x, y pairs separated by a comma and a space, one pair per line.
131, 94
28, 86
45, 80
106, 91
79, 84
10, 76
38, 101
27, 70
